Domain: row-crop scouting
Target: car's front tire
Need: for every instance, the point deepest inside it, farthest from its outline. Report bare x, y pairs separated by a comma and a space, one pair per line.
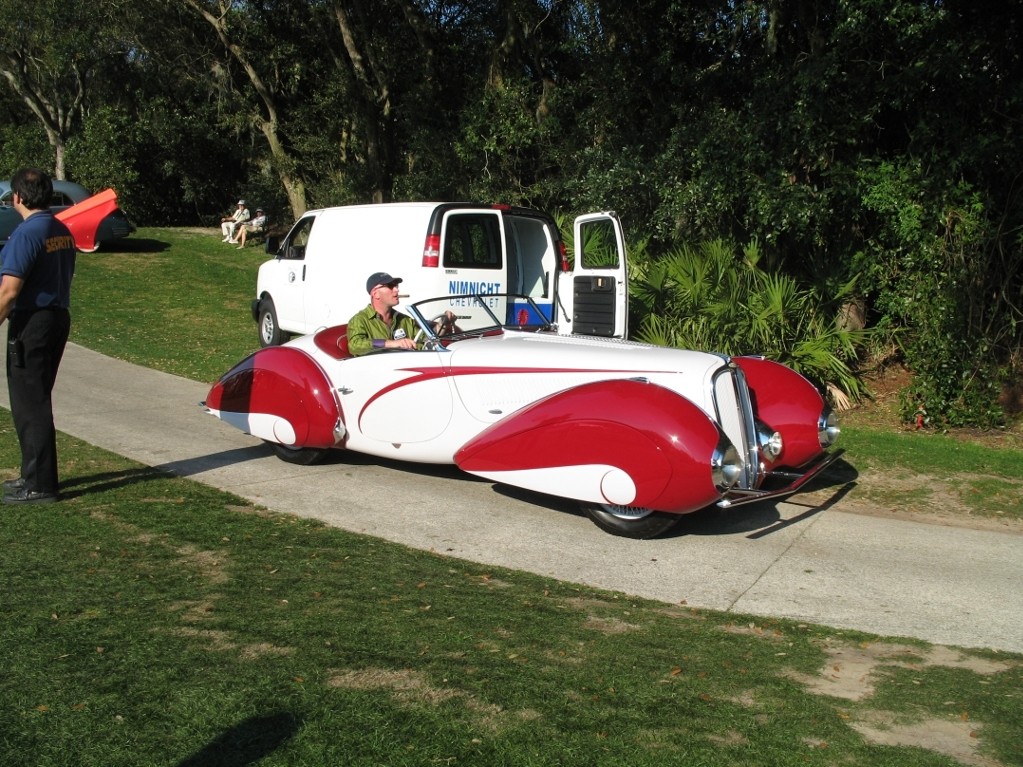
270, 333
303, 456
629, 521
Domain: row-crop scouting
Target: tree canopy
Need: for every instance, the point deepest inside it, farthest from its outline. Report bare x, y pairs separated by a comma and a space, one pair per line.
863, 142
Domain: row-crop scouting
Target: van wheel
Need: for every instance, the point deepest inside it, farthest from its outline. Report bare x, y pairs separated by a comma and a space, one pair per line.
629, 521
303, 456
270, 333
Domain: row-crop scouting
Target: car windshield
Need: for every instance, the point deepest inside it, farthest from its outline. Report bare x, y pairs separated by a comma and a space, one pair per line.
474, 314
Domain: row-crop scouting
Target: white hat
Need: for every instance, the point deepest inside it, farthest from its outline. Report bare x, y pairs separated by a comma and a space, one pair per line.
241, 202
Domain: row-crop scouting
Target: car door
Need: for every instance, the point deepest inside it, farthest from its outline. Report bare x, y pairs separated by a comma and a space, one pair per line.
593, 297
399, 404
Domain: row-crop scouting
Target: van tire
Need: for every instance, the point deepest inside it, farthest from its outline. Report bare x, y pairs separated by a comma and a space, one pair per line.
270, 333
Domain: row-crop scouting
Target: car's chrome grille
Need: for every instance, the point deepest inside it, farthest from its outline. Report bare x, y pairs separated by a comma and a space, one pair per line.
734, 410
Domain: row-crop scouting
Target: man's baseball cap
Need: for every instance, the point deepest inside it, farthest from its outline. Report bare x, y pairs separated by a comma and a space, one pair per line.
241, 202
380, 278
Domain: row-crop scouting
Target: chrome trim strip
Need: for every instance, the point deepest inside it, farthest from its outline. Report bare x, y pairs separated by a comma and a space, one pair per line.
749, 427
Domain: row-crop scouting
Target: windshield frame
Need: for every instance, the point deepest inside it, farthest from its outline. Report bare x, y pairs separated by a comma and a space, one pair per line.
473, 307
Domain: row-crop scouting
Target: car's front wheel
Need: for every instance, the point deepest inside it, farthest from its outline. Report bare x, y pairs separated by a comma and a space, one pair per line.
270, 333
629, 521
303, 456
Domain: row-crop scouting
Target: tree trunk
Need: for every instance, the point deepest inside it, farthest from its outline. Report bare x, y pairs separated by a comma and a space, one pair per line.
373, 96
266, 121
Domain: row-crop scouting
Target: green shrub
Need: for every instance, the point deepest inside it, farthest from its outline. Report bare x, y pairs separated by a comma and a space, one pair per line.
931, 266
714, 298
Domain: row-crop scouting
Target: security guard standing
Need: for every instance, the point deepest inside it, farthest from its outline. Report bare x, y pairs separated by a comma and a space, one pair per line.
35, 293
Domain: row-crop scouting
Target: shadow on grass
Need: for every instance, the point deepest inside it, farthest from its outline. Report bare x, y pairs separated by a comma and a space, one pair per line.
247, 742
98, 483
135, 245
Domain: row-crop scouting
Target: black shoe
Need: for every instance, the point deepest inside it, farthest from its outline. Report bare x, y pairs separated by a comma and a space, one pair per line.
13, 484
24, 495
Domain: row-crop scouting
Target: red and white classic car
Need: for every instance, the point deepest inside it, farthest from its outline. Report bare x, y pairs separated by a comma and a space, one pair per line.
637, 434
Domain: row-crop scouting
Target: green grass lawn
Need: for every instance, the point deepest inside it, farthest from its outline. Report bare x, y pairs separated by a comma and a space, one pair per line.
173, 300
151, 620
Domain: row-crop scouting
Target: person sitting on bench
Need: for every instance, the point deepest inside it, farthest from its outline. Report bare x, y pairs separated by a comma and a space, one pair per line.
258, 224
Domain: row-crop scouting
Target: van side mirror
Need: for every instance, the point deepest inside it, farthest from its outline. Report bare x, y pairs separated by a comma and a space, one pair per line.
273, 244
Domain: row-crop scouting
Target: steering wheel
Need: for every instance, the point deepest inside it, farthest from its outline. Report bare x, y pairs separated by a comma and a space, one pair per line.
418, 337
432, 343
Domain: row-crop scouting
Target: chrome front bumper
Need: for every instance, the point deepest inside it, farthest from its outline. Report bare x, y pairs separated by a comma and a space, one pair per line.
795, 482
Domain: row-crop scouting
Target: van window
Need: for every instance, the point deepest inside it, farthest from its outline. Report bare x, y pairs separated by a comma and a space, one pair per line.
599, 247
298, 238
472, 241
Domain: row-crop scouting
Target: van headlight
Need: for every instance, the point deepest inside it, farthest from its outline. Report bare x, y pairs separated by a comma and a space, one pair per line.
726, 466
827, 428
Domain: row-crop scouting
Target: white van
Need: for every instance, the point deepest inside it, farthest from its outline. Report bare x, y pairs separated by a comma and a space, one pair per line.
318, 277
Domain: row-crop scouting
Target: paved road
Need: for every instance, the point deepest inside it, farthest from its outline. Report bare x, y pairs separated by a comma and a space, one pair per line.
891, 577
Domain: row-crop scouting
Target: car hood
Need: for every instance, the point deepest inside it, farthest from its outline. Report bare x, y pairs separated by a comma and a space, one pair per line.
495, 376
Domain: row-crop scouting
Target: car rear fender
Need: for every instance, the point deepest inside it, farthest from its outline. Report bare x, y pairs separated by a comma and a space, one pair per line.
623, 442
282, 395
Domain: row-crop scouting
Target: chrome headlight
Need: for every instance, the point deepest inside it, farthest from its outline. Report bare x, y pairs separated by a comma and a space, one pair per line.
827, 428
726, 466
770, 441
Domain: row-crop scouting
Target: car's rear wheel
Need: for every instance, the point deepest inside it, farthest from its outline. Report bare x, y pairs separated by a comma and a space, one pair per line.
270, 333
629, 521
303, 456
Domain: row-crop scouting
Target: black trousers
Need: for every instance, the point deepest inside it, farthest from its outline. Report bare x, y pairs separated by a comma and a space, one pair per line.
39, 337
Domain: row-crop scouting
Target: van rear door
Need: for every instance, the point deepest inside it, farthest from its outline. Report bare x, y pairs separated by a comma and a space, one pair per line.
472, 254
593, 297
497, 249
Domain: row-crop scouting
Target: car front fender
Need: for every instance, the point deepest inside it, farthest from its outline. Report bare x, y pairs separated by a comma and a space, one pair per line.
787, 403
621, 442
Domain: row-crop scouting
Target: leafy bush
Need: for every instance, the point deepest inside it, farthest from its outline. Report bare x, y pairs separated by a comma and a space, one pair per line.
933, 265
716, 299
